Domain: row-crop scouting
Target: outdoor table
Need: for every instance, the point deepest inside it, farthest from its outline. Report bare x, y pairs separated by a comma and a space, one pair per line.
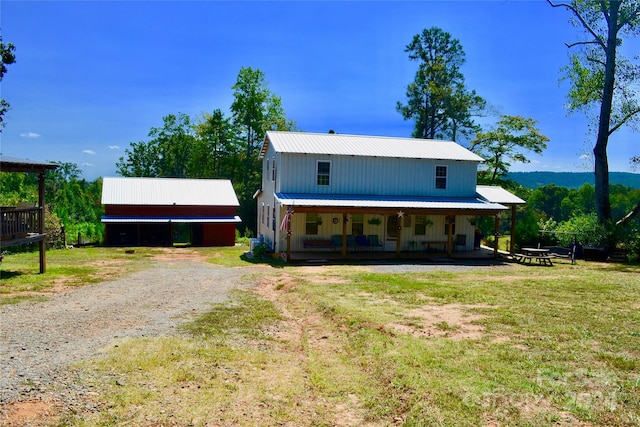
543, 256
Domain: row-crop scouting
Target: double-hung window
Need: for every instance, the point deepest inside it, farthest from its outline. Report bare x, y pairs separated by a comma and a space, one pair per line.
323, 169
441, 177
311, 223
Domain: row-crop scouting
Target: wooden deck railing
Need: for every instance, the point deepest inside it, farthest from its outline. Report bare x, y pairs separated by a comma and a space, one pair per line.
18, 222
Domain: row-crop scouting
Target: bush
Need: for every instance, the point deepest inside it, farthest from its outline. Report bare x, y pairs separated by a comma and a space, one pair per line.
85, 232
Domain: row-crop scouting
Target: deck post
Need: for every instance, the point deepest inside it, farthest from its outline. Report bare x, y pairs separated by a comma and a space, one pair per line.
43, 243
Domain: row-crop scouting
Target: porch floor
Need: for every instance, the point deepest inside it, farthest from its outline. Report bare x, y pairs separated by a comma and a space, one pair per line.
484, 253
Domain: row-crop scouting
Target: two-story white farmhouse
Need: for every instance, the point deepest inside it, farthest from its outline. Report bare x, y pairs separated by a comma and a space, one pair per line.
351, 193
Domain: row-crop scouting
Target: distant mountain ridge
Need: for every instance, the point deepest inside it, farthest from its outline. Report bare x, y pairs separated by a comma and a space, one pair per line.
571, 179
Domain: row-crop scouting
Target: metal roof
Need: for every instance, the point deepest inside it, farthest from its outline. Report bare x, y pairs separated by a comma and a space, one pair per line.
168, 191
497, 194
15, 164
392, 202
120, 219
367, 146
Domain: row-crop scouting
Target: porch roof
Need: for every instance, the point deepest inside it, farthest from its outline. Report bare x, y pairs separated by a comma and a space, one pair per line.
496, 194
387, 202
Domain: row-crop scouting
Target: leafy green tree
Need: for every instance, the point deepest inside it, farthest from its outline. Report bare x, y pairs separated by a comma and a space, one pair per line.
167, 154
602, 81
219, 147
7, 57
142, 160
255, 109
437, 99
511, 139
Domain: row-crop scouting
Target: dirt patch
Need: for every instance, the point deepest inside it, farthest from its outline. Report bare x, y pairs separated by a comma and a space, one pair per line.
178, 254
454, 321
29, 413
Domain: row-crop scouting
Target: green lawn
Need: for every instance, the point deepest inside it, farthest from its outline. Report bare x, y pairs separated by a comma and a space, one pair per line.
345, 345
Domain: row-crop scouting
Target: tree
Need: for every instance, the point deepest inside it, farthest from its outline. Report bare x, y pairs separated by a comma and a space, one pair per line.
219, 145
603, 81
255, 109
513, 136
8, 57
437, 99
167, 154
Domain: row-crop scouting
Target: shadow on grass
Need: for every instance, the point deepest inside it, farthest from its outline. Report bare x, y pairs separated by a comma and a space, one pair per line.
7, 274
273, 262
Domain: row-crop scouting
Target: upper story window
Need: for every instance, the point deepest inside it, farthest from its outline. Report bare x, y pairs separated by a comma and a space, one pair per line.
441, 177
324, 172
273, 169
268, 169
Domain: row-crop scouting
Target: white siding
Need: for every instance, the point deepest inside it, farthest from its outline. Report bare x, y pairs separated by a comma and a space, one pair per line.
375, 176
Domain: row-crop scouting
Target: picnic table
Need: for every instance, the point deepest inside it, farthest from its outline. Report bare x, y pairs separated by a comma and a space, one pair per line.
542, 255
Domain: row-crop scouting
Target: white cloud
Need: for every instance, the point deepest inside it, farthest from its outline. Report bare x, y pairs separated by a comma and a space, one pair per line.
87, 164
91, 152
30, 135
114, 147
585, 157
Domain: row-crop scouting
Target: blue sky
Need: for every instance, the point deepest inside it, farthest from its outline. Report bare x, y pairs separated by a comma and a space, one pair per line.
91, 77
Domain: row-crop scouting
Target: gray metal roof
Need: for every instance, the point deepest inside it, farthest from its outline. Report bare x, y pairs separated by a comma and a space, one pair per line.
168, 191
497, 194
392, 202
368, 146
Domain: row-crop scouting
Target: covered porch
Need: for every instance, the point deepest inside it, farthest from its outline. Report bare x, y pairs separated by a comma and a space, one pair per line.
24, 224
381, 227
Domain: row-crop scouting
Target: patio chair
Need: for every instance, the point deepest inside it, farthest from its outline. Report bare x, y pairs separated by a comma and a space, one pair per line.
461, 240
336, 241
374, 243
361, 242
351, 242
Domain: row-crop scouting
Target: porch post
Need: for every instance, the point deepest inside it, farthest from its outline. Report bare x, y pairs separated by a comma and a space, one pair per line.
449, 234
399, 235
344, 235
42, 243
496, 234
512, 243
289, 238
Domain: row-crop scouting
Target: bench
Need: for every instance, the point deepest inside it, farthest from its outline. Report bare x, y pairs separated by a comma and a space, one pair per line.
318, 244
427, 244
542, 259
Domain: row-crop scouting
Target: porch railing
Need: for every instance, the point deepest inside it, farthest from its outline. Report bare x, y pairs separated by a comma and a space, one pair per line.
19, 222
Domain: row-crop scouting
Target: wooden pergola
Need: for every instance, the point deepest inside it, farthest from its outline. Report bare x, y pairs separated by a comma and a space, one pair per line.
25, 225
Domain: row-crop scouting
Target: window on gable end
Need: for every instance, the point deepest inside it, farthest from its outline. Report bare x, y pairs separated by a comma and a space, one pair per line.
324, 173
441, 177
273, 169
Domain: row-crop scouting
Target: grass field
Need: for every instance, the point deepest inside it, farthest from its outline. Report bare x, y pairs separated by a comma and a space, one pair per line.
505, 345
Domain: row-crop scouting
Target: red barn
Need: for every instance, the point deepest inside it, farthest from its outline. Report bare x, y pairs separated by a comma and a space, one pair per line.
165, 211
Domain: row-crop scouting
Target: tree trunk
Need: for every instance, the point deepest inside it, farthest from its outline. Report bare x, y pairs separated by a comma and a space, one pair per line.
603, 204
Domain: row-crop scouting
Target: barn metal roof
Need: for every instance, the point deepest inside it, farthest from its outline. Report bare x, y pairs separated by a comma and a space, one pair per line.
497, 194
392, 202
168, 191
368, 146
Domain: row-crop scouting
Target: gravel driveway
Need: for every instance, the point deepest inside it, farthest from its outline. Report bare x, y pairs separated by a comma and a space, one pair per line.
40, 340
